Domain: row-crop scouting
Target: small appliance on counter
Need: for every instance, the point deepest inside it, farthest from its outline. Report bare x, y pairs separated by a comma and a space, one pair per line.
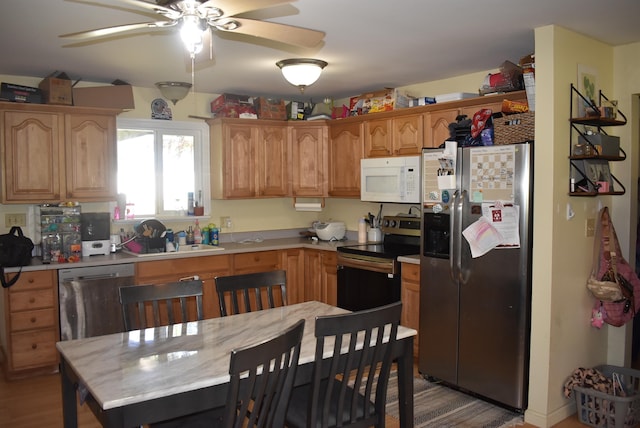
330, 231
96, 234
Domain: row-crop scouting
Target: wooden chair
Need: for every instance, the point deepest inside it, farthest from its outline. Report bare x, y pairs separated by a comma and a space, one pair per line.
167, 303
341, 389
251, 292
260, 387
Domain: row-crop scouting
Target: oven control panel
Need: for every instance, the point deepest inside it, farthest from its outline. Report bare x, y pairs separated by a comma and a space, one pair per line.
401, 225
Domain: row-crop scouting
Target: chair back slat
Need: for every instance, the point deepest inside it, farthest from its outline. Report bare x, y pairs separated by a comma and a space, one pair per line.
343, 386
152, 305
247, 292
262, 379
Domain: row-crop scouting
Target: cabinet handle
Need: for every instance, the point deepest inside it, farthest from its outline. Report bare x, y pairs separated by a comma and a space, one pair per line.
34, 346
32, 300
30, 280
33, 320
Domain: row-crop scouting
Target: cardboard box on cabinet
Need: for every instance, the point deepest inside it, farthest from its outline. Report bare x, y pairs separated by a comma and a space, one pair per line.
387, 99
57, 90
229, 100
113, 96
20, 94
270, 108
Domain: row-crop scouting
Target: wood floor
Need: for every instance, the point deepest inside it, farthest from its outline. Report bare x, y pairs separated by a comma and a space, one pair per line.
37, 403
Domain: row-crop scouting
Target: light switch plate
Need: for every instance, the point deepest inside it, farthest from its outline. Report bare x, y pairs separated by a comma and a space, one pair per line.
590, 227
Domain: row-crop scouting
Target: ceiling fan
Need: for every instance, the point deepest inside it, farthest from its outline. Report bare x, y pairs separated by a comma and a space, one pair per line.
196, 18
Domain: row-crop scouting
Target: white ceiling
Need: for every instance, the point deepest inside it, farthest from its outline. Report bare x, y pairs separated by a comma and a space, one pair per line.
369, 44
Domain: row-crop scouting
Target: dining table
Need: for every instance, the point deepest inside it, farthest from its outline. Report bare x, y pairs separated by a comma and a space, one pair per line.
143, 376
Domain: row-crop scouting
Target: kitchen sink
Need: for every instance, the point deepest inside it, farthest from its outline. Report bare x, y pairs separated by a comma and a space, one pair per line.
195, 248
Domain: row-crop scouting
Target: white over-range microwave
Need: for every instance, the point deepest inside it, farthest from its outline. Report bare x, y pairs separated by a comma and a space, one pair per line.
394, 179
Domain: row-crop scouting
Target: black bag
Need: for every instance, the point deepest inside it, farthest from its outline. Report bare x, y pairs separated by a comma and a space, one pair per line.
15, 250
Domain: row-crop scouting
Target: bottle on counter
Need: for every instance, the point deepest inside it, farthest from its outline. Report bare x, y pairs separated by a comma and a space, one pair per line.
362, 231
206, 238
214, 234
190, 236
197, 233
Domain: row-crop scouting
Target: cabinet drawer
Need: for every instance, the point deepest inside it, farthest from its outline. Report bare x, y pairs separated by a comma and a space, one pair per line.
37, 299
179, 268
256, 262
30, 320
33, 281
410, 272
33, 349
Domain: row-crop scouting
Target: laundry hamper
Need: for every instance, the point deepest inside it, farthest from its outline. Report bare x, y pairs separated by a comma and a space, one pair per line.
598, 409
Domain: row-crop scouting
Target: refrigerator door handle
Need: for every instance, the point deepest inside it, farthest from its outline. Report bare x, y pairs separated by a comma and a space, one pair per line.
456, 233
463, 275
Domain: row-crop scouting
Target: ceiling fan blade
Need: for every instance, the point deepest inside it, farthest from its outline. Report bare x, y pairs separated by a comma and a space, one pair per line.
150, 6
236, 7
101, 32
283, 33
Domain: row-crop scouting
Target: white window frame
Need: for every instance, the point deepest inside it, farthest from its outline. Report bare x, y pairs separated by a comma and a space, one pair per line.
200, 131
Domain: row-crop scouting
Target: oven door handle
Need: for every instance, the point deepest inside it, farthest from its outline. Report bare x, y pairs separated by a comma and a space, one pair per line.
387, 266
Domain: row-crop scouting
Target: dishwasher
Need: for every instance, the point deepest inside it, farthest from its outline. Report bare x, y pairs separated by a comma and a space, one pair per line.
89, 299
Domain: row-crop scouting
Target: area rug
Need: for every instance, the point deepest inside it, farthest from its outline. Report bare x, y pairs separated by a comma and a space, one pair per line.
439, 406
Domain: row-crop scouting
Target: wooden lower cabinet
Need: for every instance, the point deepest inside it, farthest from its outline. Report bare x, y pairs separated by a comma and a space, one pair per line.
30, 324
321, 276
293, 263
410, 296
206, 268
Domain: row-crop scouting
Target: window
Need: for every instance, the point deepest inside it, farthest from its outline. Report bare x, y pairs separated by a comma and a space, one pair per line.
160, 163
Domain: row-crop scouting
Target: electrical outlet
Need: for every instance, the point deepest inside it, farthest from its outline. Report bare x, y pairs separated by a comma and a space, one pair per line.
11, 220
226, 222
590, 227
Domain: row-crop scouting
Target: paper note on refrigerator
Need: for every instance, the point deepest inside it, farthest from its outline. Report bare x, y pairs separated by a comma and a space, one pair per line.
482, 237
505, 219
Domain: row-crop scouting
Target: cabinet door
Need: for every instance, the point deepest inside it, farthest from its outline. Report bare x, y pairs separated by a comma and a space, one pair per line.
293, 263
437, 126
90, 157
239, 166
410, 296
272, 166
346, 149
308, 160
378, 138
312, 275
32, 156
408, 135
330, 278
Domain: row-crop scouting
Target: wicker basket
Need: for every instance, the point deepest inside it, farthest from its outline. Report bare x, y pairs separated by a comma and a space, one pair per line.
514, 128
598, 409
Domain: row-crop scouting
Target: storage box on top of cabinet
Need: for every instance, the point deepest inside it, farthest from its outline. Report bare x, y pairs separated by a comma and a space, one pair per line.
270, 108
56, 91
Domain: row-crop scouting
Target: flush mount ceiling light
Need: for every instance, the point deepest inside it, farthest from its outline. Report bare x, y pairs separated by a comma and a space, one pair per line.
174, 91
301, 72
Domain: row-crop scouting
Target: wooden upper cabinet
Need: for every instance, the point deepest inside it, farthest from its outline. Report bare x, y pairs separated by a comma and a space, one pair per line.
308, 160
53, 153
346, 149
272, 166
378, 138
408, 135
397, 136
32, 158
239, 160
437, 126
91, 157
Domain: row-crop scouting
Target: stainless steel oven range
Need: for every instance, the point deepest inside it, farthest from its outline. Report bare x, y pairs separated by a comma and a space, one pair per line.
369, 274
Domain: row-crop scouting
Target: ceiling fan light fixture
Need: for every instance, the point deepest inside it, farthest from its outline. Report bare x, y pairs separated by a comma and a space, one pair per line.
174, 91
191, 33
301, 72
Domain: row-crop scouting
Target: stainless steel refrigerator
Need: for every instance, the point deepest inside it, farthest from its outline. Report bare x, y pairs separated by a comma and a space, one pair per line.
475, 287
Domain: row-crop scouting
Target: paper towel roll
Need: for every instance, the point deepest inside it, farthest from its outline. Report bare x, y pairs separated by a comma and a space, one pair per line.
310, 206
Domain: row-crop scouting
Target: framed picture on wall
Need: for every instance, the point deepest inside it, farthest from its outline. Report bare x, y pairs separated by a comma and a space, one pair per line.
587, 86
